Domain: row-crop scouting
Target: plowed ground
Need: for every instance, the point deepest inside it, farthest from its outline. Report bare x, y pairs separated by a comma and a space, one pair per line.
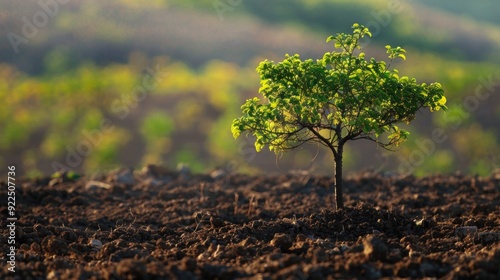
153, 225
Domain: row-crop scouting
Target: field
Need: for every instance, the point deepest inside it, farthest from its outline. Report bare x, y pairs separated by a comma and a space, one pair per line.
91, 87
159, 224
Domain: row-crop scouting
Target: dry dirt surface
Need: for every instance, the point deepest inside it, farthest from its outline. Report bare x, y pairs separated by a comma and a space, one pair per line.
158, 224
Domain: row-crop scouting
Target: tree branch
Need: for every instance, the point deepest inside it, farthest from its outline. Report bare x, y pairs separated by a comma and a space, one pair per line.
323, 139
383, 145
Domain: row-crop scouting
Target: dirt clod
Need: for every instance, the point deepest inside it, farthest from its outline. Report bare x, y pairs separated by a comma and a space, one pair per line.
54, 245
375, 248
282, 241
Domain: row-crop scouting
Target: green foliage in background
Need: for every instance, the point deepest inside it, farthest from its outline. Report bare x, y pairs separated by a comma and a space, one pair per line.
62, 113
484, 11
156, 129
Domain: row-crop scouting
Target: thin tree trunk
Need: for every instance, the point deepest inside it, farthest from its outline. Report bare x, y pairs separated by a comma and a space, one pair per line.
339, 199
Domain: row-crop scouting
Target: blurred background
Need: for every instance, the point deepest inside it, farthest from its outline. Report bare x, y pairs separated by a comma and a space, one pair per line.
93, 85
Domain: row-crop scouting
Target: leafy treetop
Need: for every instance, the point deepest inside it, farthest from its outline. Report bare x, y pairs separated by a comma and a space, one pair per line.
340, 97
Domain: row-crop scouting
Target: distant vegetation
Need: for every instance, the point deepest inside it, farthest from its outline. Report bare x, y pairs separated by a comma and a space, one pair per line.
83, 66
482, 12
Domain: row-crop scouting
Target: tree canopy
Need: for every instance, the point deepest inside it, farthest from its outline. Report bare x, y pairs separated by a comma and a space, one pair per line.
342, 96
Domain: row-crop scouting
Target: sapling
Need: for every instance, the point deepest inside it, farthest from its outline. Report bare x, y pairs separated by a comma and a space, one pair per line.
341, 97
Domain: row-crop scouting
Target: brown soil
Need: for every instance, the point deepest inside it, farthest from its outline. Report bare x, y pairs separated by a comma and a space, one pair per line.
156, 224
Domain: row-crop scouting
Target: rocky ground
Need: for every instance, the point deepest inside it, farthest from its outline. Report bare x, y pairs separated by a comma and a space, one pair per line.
158, 224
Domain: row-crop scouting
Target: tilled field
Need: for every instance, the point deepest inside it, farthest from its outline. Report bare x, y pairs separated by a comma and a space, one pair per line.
157, 224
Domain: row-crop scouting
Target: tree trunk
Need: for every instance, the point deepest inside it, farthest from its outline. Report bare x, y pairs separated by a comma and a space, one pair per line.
339, 199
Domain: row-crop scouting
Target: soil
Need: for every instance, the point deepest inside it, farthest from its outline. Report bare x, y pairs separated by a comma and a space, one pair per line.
158, 224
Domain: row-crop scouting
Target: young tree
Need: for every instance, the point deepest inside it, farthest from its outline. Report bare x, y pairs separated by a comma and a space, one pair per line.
332, 100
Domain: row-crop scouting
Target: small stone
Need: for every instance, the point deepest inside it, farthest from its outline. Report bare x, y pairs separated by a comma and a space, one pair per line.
375, 247
218, 174
489, 237
455, 210
95, 244
465, 231
124, 176
282, 241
